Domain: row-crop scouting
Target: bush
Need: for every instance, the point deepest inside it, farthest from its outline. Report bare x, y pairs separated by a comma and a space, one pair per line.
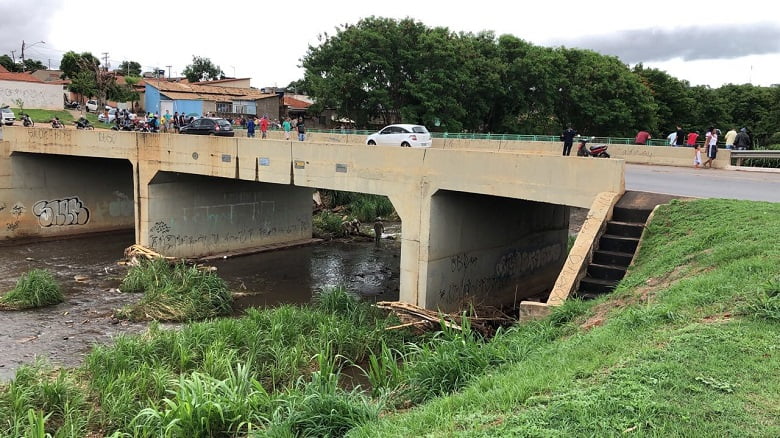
328, 225
36, 288
175, 292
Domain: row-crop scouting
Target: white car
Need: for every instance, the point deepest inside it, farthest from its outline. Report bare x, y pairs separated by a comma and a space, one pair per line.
112, 116
416, 136
7, 116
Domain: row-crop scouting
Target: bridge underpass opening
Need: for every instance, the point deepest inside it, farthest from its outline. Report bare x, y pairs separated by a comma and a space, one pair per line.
50, 195
193, 215
490, 250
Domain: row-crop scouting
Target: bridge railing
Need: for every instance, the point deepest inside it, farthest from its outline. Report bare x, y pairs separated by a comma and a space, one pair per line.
738, 156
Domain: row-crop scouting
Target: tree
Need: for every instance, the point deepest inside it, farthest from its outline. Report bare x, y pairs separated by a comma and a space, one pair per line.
9, 64
32, 65
73, 63
129, 68
202, 69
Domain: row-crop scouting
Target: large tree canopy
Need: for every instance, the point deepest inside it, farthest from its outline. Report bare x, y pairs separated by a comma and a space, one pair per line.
202, 69
382, 70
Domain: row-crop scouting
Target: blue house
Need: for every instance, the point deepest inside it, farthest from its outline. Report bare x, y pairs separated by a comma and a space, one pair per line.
198, 99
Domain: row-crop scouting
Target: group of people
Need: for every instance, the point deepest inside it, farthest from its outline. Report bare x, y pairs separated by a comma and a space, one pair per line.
287, 126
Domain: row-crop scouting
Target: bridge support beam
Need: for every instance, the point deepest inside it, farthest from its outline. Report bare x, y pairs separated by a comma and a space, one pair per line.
193, 215
489, 250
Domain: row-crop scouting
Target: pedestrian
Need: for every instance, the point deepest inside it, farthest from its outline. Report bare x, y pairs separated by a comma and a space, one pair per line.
742, 142
250, 127
692, 137
287, 126
175, 121
672, 138
642, 137
730, 137
696, 155
680, 139
379, 228
301, 129
568, 139
264, 126
711, 142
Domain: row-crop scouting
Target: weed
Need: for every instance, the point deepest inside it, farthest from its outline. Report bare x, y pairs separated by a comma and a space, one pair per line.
36, 288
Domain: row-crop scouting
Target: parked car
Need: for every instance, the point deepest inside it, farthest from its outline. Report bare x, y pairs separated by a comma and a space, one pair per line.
112, 115
8, 116
405, 135
208, 126
92, 105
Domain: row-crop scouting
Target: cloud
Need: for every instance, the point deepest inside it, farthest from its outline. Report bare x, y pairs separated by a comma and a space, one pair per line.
689, 44
28, 21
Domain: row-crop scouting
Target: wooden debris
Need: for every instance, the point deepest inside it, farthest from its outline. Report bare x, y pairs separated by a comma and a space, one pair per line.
412, 316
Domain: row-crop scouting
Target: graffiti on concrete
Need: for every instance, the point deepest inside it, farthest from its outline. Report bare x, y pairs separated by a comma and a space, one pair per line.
163, 236
16, 211
49, 135
515, 263
107, 137
61, 212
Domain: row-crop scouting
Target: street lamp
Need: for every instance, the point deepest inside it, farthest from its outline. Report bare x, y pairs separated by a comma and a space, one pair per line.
31, 45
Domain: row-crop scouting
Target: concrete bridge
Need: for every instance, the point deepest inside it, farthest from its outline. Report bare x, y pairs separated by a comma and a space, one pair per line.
487, 225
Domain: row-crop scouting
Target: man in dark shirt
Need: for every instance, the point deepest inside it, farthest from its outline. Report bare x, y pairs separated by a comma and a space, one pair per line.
742, 140
568, 139
680, 137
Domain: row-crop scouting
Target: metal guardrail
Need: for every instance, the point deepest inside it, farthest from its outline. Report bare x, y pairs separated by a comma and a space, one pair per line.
739, 156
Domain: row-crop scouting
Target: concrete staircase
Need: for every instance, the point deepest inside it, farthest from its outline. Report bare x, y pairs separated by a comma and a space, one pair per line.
619, 242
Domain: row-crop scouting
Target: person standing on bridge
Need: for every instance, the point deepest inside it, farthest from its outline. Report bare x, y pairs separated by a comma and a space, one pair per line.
742, 141
711, 142
568, 139
730, 137
680, 139
642, 137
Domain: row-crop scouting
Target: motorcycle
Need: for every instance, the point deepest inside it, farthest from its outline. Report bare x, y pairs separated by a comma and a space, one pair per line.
27, 121
83, 123
73, 105
599, 150
56, 123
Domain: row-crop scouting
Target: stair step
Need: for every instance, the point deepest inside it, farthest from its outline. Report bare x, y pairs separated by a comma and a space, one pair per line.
614, 258
627, 229
606, 272
596, 286
609, 242
623, 214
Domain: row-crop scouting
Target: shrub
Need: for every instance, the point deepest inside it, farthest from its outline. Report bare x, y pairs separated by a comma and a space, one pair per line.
175, 292
36, 288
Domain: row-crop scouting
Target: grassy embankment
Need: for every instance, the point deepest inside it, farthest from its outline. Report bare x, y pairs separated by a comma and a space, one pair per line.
42, 117
36, 288
687, 346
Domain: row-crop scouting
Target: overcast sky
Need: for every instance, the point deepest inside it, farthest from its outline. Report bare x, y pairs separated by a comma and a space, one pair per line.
705, 42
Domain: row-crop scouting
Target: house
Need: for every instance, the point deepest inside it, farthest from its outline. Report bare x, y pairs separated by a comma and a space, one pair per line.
198, 98
29, 90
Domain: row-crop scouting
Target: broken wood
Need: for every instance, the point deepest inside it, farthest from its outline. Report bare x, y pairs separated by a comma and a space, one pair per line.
412, 316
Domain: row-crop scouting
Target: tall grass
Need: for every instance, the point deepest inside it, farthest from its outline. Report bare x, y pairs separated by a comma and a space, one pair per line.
36, 288
363, 206
175, 292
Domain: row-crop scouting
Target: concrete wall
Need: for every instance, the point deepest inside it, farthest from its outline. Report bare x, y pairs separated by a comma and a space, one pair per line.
50, 196
34, 95
193, 215
491, 250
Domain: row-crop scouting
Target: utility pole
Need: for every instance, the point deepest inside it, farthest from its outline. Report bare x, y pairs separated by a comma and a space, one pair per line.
105, 60
169, 71
13, 55
22, 56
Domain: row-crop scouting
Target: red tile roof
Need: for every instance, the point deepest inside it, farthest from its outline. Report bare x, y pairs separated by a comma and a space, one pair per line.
19, 77
3, 69
295, 103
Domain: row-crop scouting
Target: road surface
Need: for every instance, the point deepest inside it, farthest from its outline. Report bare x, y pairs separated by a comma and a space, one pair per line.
705, 183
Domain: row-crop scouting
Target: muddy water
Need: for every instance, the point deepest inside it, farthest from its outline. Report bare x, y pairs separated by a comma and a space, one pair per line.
89, 274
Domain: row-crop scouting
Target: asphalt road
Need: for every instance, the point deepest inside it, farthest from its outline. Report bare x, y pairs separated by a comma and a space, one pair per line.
705, 183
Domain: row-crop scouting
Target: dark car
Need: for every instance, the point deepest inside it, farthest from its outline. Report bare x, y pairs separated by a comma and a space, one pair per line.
208, 126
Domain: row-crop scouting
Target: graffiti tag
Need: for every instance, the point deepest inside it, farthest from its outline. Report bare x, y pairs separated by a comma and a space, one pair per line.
61, 212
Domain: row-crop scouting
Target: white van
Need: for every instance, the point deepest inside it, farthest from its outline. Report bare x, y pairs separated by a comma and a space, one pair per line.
8, 116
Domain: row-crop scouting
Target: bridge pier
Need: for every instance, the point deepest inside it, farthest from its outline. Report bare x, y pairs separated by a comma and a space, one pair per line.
489, 250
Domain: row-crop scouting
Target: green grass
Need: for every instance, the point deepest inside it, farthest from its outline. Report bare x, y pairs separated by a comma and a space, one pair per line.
42, 117
36, 288
686, 346
176, 292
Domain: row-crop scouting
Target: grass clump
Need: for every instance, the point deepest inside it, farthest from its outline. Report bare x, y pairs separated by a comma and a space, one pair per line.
175, 292
36, 288
327, 225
